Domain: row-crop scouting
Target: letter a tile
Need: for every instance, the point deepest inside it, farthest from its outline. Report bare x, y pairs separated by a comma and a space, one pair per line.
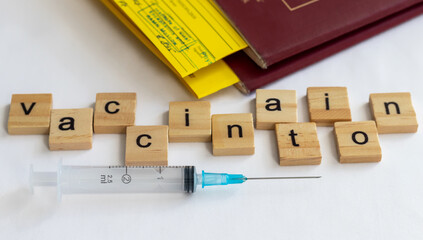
275, 106
71, 129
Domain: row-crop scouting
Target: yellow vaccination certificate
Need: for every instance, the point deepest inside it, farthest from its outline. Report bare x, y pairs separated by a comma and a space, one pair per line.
191, 34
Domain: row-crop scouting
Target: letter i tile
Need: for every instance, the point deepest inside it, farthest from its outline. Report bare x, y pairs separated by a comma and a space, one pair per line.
327, 105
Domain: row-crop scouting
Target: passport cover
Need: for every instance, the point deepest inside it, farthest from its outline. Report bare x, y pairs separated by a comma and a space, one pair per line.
278, 29
253, 77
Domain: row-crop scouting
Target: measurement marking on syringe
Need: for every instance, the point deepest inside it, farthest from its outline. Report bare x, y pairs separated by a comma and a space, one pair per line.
163, 167
106, 178
126, 178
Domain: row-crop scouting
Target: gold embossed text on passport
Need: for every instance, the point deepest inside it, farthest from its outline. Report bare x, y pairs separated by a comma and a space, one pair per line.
293, 5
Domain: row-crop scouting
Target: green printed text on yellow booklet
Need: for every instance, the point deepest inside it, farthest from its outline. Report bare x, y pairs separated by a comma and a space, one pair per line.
191, 34
203, 82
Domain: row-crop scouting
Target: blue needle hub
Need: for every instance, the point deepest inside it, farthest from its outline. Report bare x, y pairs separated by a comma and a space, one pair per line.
211, 179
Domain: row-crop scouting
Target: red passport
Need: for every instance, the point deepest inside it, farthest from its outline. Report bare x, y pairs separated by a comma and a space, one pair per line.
278, 29
254, 77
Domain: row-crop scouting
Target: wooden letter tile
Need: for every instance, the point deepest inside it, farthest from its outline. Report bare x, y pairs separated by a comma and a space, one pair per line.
189, 121
30, 114
114, 112
393, 112
357, 142
327, 105
298, 144
275, 106
71, 129
233, 134
146, 146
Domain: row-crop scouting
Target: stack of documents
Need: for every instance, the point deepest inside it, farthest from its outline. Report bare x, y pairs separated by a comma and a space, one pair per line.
190, 36
193, 36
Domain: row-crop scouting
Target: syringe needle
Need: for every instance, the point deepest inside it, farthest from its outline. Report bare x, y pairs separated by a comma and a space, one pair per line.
267, 178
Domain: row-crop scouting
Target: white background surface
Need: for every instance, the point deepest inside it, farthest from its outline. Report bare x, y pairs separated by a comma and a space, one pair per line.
75, 49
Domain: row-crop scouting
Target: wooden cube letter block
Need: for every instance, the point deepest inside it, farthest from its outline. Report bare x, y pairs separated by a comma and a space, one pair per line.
189, 121
275, 106
233, 134
327, 105
71, 129
30, 114
298, 144
114, 112
357, 142
393, 112
146, 146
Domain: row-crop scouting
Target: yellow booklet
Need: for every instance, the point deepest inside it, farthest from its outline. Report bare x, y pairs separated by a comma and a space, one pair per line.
191, 34
203, 82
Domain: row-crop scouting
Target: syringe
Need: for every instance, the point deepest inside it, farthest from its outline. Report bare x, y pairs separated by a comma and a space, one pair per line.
136, 179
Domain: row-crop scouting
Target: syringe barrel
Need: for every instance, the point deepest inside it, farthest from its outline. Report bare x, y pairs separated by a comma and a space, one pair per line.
118, 179
74, 179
